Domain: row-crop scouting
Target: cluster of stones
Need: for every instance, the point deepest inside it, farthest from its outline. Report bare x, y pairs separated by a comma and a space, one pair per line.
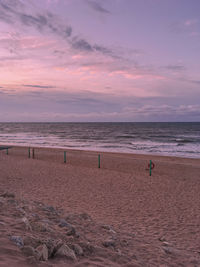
47, 249
46, 234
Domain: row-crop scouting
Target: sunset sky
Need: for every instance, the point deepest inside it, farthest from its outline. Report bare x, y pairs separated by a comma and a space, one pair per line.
99, 60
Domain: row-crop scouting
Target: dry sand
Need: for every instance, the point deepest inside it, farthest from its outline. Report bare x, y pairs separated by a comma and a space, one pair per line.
158, 217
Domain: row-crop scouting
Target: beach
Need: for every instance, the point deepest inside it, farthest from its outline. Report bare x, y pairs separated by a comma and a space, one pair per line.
159, 212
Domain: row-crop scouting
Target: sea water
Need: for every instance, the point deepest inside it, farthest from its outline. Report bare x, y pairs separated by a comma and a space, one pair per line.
173, 139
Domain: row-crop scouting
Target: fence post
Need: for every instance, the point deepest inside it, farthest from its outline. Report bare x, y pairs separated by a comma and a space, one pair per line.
33, 153
29, 152
150, 168
65, 159
99, 161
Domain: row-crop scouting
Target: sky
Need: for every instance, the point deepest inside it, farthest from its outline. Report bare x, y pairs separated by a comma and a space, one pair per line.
99, 60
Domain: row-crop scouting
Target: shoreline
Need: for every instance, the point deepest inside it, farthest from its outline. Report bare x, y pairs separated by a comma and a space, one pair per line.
133, 155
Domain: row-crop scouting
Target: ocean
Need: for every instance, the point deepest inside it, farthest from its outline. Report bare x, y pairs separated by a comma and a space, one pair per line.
171, 139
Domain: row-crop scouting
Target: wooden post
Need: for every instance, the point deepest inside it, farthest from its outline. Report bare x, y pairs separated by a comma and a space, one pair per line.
29, 152
150, 168
99, 161
33, 153
65, 158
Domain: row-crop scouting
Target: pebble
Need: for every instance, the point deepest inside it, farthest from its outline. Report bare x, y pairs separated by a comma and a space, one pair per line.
109, 243
85, 216
88, 247
71, 231
50, 209
6, 194
106, 227
21, 210
70, 228
31, 241
170, 250
109, 228
42, 252
63, 223
65, 251
27, 223
78, 250
40, 227
17, 240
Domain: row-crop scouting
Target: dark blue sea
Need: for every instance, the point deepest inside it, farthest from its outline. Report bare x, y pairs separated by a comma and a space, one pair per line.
174, 139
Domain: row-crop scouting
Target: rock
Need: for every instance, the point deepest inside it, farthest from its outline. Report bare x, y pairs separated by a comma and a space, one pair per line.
87, 247
77, 234
28, 251
170, 250
113, 233
70, 228
119, 252
162, 239
31, 241
56, 245
11, 201
17, 240
71, 231
42, 252
65, 251
165, 243
63, 223
50, 209
46, 221
40, 227
27, 223
109, 228
106, 227
85, 216
9, 195
52, 245
21, 210
124, 242
35, 216
109, 243
78, 250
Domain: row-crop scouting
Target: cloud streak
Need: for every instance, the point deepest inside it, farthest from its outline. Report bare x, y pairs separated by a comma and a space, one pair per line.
37, 86
45, 21
49, 22
97, 6
175, 67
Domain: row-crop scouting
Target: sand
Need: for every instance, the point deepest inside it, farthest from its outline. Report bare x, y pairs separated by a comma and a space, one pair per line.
158, 215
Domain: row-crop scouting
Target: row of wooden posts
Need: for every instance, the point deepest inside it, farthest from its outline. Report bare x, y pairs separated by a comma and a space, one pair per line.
65, 159
65, 156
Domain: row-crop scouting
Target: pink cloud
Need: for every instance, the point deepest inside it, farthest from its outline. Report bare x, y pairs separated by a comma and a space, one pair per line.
133, 76
190, 22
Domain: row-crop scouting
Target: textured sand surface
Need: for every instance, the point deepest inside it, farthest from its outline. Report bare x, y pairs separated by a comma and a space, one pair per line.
163, 208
